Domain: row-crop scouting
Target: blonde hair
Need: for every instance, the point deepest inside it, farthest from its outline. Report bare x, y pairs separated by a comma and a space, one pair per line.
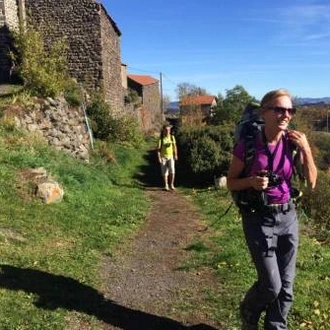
272, 95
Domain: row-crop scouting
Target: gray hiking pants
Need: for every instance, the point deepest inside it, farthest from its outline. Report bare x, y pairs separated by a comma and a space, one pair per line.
272, 239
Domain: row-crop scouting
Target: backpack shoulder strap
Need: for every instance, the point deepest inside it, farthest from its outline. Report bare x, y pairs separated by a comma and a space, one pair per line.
250, 151
297, 165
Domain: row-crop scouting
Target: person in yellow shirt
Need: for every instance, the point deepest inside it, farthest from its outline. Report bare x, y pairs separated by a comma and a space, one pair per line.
167, 155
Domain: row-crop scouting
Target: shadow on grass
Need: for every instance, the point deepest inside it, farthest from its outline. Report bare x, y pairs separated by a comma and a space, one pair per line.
149, 175
56, 291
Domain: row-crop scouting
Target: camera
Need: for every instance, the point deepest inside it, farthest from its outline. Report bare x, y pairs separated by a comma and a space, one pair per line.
273, 178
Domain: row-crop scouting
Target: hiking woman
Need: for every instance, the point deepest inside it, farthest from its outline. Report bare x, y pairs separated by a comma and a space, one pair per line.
167, 155
270, 225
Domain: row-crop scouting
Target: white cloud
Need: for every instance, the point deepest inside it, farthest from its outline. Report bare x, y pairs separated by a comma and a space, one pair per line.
308, 22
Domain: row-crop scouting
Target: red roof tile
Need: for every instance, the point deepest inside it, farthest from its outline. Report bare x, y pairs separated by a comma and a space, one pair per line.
143, 80
198, 100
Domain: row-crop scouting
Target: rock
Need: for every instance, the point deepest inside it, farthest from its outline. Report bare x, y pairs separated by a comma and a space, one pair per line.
50, 192
220, 182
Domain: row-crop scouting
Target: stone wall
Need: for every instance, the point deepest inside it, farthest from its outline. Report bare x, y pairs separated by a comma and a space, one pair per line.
93, 39
112, 67
11, 13
151, 102
2, 12
63, 127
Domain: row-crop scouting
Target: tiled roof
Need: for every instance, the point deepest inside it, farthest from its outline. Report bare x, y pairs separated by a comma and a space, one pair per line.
143, 80
200, 100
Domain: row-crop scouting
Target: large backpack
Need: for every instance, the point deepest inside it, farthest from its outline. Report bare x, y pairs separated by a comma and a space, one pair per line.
247, 128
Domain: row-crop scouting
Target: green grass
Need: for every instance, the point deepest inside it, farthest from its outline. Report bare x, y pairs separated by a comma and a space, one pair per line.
49, 249
223, 249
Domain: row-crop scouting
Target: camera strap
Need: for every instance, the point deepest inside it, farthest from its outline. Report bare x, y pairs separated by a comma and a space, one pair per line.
271, 155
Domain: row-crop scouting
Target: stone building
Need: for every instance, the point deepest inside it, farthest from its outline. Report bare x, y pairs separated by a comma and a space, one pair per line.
147, 89
196, 109
94, 55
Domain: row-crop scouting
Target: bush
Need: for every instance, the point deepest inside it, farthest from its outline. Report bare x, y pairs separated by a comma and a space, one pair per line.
105, 126
322, 142
206, 150
204, 155
43, 69
316, 203
99, 114
126, 130
73, 93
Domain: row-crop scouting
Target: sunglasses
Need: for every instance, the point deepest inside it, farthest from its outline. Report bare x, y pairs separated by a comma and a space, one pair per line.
282, 111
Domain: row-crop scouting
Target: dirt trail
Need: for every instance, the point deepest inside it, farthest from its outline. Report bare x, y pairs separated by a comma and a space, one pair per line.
145, 281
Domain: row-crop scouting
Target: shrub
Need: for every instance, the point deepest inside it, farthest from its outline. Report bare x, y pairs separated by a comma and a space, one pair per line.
73, 93
322, 143
126, 130
100, 119
132, 97
316, 203
204, 155
43, 69
206, 150
107, 127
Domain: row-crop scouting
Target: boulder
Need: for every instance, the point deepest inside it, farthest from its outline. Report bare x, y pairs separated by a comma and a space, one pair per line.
50, 192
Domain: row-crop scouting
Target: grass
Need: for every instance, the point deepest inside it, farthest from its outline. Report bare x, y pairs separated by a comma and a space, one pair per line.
224, 250
50, 249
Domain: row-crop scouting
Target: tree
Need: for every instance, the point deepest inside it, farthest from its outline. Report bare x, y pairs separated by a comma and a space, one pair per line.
187, 89
166, 101
230, 107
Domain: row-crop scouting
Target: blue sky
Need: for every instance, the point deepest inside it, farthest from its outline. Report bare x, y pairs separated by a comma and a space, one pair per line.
217, 44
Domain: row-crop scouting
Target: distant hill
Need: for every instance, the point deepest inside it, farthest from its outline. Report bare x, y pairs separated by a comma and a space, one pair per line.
311, 100
174, 107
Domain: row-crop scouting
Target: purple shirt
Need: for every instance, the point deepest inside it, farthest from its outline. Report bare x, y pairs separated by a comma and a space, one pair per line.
282, 166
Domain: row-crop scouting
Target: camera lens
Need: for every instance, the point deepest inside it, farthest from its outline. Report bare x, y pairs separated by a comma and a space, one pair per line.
274, 179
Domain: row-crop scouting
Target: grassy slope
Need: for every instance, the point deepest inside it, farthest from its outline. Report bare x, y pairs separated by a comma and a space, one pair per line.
44, 246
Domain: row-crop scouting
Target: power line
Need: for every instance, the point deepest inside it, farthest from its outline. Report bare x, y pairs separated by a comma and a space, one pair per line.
150, 72
156, 73
161, 75
172, 82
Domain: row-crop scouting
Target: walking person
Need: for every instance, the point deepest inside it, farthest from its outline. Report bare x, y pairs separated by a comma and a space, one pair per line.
167, 155
271, 226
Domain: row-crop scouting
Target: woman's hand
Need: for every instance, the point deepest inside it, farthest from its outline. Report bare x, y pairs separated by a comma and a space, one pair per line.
259, 182
309, 167
299, 139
